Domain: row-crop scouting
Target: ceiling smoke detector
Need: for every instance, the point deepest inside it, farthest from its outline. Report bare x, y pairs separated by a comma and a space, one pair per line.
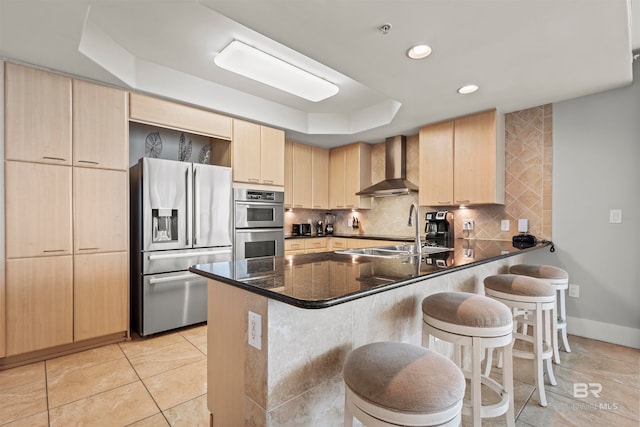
384, 28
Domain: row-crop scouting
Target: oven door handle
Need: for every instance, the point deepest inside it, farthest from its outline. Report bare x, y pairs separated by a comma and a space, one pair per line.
262, 204
172, 278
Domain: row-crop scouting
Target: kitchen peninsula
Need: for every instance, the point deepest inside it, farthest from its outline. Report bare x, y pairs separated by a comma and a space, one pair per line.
280, 328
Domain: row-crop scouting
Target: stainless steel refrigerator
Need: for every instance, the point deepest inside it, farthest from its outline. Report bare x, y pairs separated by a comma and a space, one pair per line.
181, 215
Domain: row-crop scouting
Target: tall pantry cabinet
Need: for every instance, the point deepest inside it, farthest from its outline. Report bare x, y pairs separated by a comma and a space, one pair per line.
66, 210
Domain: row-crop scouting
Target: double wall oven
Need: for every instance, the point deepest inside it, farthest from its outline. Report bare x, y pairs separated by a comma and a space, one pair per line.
259, 223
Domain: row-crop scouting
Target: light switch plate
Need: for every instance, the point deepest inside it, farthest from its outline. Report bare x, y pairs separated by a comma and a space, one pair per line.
504, 225
523, 226
254, 330
615, 216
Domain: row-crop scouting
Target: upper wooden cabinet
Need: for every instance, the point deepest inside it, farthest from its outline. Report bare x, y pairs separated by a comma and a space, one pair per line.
37, 115
38, 209
100, 205
302, 177
349, 172
100, 126
146, 109
462, 161
319, 178
258, 154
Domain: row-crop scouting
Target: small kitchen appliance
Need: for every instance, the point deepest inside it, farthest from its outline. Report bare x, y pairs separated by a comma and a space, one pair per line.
303, 229
319, 229
439, 228
329, 220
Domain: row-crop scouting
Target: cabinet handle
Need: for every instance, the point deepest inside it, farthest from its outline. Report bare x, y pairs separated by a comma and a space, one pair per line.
297, 206
53, 250
253, 180
350, 206
88, 249
444, 203
462, 201
89, 162
54, 158
268, 181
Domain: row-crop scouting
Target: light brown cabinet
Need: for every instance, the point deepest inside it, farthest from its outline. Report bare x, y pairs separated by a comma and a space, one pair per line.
146, 109
349, 172
288, 174
38, 210
100, 210
319, 178
39, 303
101, 294
37, 115
258, 154
302, 176
462, 161
100, 126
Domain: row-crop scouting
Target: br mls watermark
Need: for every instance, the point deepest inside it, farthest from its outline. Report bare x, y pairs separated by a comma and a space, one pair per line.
585, 391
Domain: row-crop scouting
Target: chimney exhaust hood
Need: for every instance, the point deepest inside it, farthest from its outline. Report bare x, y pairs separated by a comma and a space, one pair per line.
395, 182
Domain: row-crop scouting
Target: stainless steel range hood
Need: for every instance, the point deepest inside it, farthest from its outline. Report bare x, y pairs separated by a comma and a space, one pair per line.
395, 182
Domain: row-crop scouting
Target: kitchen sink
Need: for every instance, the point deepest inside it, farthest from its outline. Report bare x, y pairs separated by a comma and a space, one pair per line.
393, 251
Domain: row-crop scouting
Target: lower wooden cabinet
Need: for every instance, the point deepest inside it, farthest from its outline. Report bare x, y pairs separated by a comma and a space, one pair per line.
101, 294
39, 301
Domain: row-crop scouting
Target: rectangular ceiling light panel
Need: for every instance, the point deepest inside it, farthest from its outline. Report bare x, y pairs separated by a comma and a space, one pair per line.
255, 64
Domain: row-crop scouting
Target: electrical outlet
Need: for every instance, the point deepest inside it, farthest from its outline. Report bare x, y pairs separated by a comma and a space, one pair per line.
467, 225
504, 225
254, 331
574, 291
523, 226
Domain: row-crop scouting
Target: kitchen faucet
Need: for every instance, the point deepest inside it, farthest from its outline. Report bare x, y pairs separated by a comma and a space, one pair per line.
418, 242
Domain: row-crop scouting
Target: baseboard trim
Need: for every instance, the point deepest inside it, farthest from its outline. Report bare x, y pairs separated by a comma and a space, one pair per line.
608, 332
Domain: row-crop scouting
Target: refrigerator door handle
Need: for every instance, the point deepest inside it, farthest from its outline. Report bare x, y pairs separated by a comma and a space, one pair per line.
189, 254
172, 278
196, 205
189, 213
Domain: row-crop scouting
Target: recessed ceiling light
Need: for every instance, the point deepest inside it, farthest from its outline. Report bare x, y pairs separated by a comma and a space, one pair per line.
255, 64
466, 89
419, 51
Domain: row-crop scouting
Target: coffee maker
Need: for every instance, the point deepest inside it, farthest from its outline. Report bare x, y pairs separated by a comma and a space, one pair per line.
439, 228
329, 220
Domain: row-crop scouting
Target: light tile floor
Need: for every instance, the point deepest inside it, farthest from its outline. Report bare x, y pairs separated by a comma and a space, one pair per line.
161, 381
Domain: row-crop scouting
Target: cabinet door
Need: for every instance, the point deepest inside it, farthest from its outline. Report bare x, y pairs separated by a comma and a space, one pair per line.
101, 294
475, 159
100, 126
100, 210
320, 178
436, 165
39, 303
146, 109
337, 178
37, 115
246, 152
38, 209
288, 174
272, 156
302, 176
357, 175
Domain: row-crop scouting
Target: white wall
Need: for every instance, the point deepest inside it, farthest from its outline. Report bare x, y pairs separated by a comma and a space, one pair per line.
596, 167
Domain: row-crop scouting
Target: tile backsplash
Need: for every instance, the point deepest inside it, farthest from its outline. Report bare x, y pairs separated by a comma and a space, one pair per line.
528, 189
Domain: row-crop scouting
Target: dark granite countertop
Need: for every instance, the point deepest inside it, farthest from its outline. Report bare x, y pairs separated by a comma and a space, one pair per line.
325, 279
353, 236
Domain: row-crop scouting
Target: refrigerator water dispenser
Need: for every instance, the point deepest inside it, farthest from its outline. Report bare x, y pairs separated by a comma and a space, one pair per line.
165, 225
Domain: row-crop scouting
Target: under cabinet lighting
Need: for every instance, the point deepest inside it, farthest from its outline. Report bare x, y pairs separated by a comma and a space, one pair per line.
240, 58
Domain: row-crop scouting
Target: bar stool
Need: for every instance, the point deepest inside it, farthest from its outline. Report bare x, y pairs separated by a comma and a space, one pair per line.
537, 299
394, 384
559, 280
479, 322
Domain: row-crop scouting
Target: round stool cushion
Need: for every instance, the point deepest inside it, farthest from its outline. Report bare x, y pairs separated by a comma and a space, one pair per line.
467, 309
515, 284
404, 378
539, 271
